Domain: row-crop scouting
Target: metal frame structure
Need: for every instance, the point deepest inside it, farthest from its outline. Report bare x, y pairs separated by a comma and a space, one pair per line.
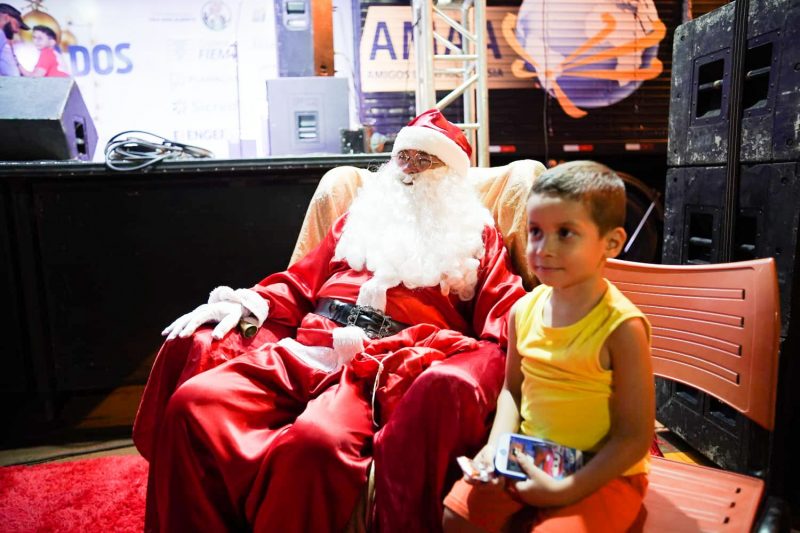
471, 65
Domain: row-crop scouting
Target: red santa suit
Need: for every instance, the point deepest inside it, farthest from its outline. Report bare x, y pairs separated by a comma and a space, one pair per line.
272, 441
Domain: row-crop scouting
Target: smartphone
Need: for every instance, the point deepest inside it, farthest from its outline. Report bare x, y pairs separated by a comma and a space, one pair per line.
554, 459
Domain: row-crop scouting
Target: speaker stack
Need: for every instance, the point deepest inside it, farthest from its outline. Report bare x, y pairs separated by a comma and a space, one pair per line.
761, 108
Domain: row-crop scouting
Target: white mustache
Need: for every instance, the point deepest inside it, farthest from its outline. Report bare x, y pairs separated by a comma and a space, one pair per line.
408, 179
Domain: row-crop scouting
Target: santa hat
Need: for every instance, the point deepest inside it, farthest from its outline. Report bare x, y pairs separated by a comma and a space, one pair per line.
432, 133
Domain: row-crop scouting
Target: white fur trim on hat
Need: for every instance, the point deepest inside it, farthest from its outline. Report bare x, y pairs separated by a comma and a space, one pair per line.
435, 143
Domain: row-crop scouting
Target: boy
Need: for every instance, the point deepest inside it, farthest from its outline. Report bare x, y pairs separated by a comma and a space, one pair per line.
50, 63
577, 373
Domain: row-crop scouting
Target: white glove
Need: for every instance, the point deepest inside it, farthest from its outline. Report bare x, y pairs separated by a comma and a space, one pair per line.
227, 314
225, 306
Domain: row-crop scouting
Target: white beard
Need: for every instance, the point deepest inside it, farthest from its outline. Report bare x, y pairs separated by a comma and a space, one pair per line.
421, 235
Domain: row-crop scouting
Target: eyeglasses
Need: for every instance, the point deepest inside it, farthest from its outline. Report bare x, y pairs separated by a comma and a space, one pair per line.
421, 160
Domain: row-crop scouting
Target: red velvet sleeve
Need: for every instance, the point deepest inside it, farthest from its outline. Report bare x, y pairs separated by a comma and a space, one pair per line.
497, 290
293, 293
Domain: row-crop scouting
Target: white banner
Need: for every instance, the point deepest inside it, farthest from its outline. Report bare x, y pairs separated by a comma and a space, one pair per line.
167, 67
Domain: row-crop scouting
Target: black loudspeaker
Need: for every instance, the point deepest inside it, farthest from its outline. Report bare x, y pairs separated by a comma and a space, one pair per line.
294, 29
701, 79
766, 226
44, 118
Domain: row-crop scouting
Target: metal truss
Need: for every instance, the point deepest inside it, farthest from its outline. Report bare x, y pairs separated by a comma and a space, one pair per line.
469, 63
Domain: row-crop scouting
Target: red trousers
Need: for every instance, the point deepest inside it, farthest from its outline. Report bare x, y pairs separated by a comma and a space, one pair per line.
264, 442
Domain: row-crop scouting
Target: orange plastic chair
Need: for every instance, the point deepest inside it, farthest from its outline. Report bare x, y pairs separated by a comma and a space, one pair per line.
715, 328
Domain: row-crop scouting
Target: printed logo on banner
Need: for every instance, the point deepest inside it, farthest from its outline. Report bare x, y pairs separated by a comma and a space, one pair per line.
593, 54
201, 134
216, 15
387, 52
594, 58
101, 59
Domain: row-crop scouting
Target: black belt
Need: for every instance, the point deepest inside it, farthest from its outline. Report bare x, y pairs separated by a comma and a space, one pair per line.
374, 323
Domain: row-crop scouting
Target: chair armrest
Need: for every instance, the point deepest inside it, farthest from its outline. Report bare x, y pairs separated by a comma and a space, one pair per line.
504, 191
331, 199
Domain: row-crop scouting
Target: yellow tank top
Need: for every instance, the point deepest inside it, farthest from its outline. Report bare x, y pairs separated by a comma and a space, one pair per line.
565, 390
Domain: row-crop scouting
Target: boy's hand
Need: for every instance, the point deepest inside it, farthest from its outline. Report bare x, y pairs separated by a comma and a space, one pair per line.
485, 458
540, 489
483, 465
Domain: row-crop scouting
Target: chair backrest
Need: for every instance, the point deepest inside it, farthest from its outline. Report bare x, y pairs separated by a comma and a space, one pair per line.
504, 191
715, 327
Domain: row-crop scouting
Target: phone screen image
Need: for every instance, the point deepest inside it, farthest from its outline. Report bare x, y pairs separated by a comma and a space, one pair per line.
519, 446
555, 460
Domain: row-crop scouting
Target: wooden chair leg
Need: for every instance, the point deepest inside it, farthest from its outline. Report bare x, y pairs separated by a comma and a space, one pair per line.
361, 519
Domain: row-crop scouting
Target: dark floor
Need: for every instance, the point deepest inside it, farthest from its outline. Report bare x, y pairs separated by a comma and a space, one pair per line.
106, 431
66, 452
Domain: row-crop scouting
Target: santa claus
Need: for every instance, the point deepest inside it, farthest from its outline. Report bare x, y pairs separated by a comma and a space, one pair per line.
385, 343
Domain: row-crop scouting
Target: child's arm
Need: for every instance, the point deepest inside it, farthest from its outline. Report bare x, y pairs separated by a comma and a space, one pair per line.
507, 417
39, 70
35, 73
632, 420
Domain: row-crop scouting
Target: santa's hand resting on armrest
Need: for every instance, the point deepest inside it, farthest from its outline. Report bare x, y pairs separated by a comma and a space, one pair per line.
226, 307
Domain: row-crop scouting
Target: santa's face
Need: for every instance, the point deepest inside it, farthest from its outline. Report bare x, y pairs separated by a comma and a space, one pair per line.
414, 162
423, 235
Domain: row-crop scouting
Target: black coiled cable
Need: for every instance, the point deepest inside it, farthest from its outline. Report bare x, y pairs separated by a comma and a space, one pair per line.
135, 153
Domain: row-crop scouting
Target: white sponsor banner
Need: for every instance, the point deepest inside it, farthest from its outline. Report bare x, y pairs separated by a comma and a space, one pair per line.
387, 50
191, 71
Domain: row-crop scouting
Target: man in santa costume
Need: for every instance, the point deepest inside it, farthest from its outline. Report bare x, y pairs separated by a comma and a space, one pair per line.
385, 343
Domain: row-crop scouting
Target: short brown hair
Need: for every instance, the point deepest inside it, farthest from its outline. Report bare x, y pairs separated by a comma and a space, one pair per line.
47, 31
594, 184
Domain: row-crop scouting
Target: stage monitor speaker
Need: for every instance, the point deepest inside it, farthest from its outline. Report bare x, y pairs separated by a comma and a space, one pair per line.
306, 115
770, 97
44, 118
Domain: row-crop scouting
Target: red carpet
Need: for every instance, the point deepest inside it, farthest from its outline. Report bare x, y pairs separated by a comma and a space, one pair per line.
101, 494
